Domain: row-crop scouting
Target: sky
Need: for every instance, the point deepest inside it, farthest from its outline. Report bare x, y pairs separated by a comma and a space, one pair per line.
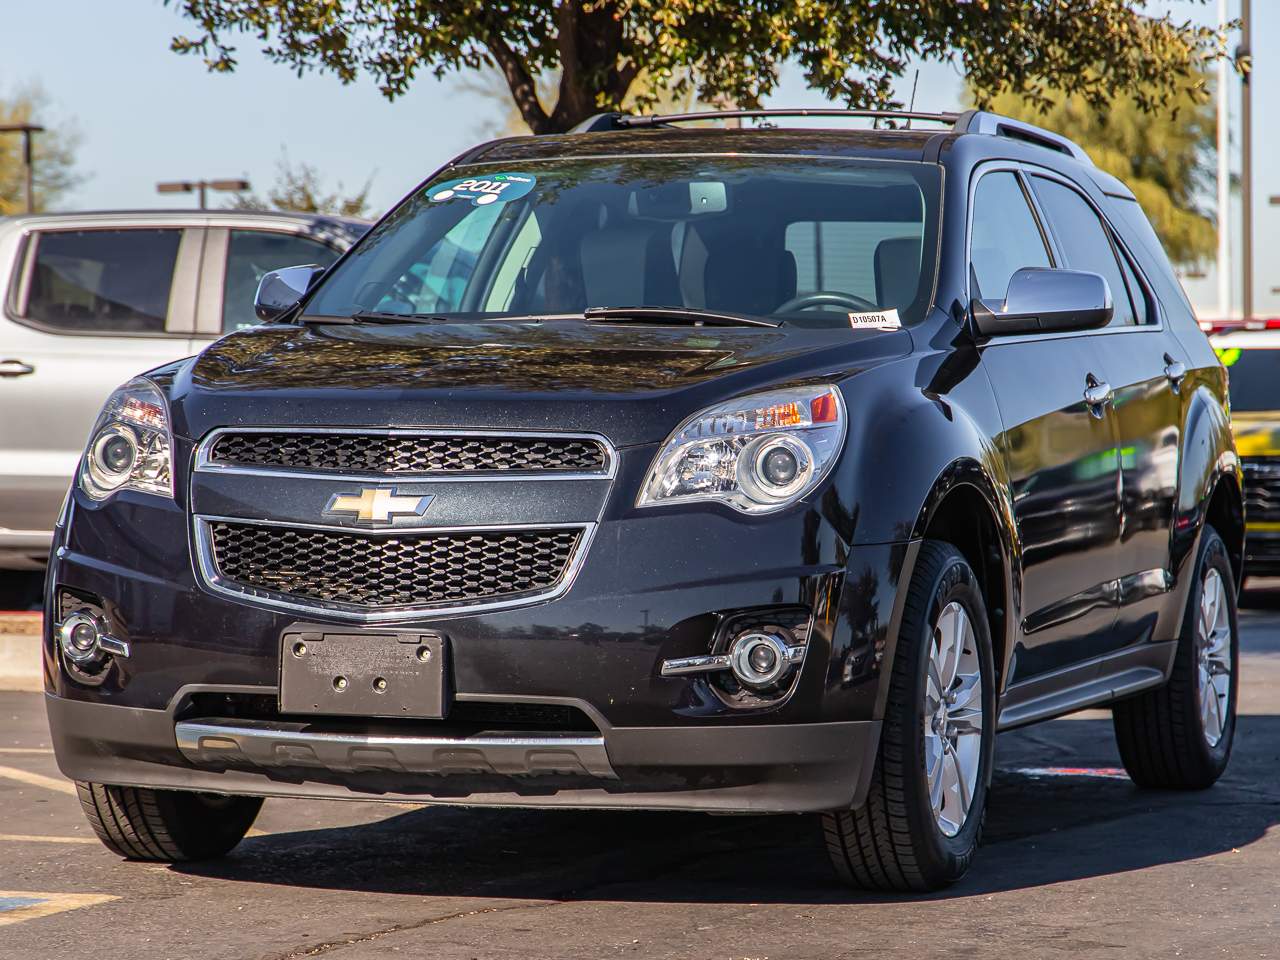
145, 114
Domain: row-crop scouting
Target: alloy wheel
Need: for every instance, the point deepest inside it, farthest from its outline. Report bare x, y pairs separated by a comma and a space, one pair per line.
953, 704
1213, 656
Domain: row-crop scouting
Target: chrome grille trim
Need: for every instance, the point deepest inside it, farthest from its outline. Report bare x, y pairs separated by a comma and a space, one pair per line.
204, 462
207, 567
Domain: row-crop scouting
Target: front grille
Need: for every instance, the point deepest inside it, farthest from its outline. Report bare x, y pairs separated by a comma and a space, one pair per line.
409, 454
1262, 489
401, 570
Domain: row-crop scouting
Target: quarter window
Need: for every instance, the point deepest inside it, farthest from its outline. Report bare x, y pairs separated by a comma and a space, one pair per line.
1005, 237
1085, 243
102, 281
253, 253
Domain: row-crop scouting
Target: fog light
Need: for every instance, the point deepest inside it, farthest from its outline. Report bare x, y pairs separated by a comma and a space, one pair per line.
83, 637
759, 659
78, 635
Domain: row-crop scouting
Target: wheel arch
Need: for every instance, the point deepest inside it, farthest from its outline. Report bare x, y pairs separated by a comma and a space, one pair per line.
965, 510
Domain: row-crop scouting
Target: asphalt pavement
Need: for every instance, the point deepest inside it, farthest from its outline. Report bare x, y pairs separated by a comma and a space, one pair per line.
1076, 862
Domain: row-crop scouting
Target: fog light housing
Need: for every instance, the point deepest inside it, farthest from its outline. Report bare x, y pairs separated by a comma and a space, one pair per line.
78, 637
84, 638
760, 659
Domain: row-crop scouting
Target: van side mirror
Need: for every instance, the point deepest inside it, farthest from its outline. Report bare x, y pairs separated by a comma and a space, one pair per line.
1040, 300
280, 290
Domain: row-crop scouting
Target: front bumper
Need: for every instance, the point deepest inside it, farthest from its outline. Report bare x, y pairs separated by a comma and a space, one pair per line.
654, 585
763, 768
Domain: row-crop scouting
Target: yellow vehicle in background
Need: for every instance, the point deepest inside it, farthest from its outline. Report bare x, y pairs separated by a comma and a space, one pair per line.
1252, 359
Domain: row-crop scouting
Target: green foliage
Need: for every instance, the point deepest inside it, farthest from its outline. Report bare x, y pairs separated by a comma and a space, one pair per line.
852, 50
298, 188
53, 154
1165, 156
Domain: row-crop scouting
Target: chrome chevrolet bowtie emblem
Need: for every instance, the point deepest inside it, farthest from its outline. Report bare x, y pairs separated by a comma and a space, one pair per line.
376, 505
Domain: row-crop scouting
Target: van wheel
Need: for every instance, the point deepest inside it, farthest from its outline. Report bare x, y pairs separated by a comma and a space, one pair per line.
1179, 736
923, 816
166, 825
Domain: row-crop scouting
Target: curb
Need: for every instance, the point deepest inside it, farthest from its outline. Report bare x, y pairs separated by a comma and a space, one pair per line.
20, 652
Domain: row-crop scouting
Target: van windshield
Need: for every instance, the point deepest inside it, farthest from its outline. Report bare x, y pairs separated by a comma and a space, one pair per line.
799, 241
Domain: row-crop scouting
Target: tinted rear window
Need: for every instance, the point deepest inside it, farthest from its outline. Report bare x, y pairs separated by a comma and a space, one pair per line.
103, 280
1254, 376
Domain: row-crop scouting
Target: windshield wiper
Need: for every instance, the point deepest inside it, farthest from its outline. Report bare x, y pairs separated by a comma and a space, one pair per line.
375, 316
691, 315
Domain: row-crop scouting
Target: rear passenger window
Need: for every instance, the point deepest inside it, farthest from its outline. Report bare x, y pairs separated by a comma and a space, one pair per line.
102, 281
253, 253
1005, 235
1085, 242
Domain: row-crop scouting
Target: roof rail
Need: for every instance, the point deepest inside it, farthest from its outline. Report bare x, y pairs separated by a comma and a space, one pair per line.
993, 124
971, 121
653, 120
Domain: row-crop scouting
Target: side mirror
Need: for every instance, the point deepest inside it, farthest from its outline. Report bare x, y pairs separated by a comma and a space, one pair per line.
280, 290
1042, 300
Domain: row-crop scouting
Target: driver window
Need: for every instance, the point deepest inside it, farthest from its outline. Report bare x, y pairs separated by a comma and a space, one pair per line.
1005, 236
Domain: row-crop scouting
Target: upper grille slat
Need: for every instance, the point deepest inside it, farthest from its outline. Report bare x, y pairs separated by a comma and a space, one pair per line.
409, 454
411, 569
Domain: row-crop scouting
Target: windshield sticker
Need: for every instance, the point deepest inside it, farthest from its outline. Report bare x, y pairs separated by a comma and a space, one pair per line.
482, 191
877, 320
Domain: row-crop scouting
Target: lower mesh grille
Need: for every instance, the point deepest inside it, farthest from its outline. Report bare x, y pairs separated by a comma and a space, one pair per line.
403, 570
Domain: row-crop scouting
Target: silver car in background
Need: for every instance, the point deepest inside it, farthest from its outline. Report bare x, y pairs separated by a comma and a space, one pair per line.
92, 299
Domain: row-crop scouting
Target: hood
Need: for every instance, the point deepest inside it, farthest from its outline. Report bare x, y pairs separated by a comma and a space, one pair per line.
630, 382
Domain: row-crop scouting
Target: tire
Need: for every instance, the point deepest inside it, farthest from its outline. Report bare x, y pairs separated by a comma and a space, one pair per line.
166, 825
1166, 739
895, 841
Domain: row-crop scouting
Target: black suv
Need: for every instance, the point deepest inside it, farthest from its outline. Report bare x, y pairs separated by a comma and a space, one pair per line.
668, 466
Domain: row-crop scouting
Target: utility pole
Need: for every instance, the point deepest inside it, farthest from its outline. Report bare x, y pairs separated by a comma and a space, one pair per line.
26, 129
202, 187
1224, 178
1246, 164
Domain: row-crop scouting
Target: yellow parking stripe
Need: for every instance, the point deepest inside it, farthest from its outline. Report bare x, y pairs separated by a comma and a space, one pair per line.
19, 905
42, 750
38, 780
38, 838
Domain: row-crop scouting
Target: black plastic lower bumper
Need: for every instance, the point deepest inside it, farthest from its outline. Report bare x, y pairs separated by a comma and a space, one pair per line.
776, 768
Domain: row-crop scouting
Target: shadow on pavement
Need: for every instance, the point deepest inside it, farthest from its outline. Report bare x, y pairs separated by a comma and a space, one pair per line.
1040, 830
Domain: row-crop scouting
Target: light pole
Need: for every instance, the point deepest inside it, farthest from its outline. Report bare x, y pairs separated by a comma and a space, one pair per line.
202, 187
26, 129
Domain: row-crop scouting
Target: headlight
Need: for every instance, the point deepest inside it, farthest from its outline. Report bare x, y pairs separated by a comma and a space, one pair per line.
758, 454
129, 448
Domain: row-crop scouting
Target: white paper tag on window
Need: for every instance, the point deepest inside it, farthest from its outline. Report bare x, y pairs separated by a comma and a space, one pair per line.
877, 320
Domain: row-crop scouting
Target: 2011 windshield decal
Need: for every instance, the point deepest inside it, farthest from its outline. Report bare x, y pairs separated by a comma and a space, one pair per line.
482, 191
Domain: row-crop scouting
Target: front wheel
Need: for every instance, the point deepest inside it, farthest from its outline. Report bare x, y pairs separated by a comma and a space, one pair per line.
923, 816
1179, 736
139, 823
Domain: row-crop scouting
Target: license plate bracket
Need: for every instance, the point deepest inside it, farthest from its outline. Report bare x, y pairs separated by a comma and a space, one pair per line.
364, 673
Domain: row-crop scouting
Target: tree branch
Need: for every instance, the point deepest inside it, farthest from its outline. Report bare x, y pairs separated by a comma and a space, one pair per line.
524, 90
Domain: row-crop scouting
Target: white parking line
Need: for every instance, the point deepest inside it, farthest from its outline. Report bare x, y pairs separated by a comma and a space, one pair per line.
38, 780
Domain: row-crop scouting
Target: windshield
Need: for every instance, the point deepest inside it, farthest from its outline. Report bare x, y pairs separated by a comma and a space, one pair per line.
801, 241
1253, 375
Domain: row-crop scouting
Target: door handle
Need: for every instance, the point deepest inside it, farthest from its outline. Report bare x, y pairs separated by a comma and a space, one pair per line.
1175, 370
1097, 395
15, 368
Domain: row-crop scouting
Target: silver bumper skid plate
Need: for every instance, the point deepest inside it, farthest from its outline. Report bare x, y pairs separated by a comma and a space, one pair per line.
271, 745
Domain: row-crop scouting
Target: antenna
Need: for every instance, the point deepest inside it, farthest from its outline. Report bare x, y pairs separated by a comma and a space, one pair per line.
915, 82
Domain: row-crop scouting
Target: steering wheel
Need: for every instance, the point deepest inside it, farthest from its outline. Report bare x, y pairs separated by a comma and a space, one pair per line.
826, 298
